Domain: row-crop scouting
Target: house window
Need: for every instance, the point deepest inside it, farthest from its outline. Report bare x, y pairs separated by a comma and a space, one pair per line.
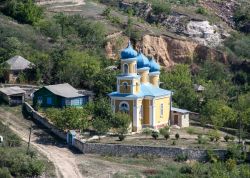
124, 107
125, 68
162, 109
76, 102
49, 100
40, 100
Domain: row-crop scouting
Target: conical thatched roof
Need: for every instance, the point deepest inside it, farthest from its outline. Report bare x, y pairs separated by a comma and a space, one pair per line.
19, 63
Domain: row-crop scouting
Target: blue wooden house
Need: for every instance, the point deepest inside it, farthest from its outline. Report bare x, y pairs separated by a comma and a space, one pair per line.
61, 95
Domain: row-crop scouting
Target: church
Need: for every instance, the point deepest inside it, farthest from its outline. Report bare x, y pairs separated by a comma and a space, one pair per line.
138, 93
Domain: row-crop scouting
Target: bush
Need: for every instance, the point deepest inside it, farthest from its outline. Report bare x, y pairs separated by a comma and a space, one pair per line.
214, 135
177, 136
23, 11
161, 7
202, 139
165, 132
232, 138
212, 157
231, 164
4, 173
181, 157
155, 135
190, 130
201, 10
186, 169
174, 142
226, 138
234, 151
147, 131
121, 137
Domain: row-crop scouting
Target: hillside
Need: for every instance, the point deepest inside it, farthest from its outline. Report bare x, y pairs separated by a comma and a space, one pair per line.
194, 29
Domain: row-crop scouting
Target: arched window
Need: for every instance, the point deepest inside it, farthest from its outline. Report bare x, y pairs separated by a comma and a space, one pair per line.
124, 107
125, 85
125, 66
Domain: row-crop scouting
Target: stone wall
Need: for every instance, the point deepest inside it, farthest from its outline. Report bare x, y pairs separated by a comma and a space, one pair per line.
130, 150
42, 120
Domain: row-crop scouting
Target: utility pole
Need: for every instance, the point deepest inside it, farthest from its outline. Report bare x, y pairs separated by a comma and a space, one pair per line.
28, 149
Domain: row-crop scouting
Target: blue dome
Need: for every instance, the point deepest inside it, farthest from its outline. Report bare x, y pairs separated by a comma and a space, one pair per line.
142, 61
128, 52
154, 67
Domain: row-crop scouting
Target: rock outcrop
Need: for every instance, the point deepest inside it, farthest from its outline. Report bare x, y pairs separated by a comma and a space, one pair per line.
168, 51
191, 26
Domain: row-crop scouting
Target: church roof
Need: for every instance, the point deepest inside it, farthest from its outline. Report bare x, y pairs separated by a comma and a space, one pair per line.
147, 89
128, 52
142, 60
154, 67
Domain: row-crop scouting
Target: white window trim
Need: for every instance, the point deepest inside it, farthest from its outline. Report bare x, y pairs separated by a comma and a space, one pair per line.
123, 102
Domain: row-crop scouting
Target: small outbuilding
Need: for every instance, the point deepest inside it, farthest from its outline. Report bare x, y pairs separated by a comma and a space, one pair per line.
12, 95
61, 95
179, 117
17, 64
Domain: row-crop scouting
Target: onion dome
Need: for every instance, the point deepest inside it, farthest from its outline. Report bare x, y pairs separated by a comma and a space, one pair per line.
128, 52
154, 66
142, 60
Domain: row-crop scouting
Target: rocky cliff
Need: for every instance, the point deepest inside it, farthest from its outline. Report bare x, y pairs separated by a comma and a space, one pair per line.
167, 50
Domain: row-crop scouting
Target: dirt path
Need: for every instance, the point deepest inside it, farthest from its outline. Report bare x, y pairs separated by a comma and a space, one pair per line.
68, 163
63, 159
54, 4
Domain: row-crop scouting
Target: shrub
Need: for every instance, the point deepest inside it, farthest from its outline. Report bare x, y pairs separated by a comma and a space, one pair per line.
147, 132
177, 136
174, 142
186, 169
212, 157
4, 173
165, 132
214, 135
201, 10
234, 151
202, 139
161, 7
121, 137
181, 157
230, 164
226, 138
190, 130
155, 135
232, 138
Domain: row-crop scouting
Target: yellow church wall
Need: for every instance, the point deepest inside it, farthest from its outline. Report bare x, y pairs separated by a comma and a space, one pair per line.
130, 102
146, 110
132, 67
144, 76
136, 88
154, 80
166, 111
123, 89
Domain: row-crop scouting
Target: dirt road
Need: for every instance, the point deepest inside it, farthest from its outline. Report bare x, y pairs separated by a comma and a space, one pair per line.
68, 163
63, 159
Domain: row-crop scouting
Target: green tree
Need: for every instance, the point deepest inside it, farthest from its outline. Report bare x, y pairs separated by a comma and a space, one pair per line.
179, 80
121, 123
217, 113
105, 82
